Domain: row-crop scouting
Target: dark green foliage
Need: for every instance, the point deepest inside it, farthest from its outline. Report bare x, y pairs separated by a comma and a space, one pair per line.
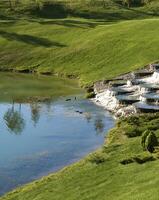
135, 125
96, 158
140, 159
151, 142
144, 159
90, 89
90, 95
127, 161
132, 131
133, 120
143, 138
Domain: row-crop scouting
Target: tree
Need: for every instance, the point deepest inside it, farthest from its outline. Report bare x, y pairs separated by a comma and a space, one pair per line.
143, 138
151, 142
13, 4
39, 4
127, 2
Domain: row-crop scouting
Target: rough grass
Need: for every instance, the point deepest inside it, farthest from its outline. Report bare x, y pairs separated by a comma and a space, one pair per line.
101, 175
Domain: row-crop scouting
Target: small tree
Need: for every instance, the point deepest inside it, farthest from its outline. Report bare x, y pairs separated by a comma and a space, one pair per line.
151, 142
127, 2
143, 138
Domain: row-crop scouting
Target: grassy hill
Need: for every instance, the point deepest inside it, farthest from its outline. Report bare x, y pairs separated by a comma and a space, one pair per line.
88, 41
101, 176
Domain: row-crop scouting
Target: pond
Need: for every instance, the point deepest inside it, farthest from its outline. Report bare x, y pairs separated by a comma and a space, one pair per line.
45, 124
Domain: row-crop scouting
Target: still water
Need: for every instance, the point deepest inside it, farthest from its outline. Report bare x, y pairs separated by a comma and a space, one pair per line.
41, 132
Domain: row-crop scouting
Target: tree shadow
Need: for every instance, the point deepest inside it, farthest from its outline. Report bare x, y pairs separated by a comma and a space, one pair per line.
70, 23
113, 15
152, 14
6, 23
4, 17
50, 10
29, 39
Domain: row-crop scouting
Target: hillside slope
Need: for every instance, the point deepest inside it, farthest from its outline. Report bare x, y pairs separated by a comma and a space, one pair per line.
91, 49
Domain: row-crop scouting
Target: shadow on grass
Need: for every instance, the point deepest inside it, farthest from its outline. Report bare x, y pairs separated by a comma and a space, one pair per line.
50, 10
70, 23
61, 10
4, 17
29, 39
107, 15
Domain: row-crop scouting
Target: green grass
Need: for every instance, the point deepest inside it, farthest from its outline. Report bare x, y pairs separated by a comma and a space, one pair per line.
96, 44
108, 179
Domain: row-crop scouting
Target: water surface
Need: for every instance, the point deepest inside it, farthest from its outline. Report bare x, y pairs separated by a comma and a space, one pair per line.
40, 132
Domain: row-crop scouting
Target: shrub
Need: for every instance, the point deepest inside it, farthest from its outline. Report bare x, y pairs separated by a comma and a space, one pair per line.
90, 89
140, 159
151, 142
143, 138
143, 159
132, 131
90, 95
127, 161
96, 158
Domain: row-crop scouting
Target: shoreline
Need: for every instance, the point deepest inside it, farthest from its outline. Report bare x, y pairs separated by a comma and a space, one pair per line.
60, 168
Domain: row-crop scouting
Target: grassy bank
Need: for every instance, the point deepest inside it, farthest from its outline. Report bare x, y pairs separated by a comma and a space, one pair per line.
95, 43
101, 175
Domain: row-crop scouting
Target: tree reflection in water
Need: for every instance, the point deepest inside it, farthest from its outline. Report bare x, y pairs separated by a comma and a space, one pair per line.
88, 116
35, 112
99, 125
14, 120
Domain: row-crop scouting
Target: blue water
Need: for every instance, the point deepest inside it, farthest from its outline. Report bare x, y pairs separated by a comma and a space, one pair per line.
39, 138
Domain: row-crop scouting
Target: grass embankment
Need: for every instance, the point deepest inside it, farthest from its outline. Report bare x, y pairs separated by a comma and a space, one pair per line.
101, 175
89, 42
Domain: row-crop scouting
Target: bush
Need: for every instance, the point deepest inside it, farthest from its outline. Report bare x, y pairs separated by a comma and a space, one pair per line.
132, 131
90, 95
143, 139
90, 89
151, 142
127, 161
140, 159
143, 159
96, 158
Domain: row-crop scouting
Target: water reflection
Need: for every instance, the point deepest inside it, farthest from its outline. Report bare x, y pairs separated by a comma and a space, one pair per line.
14, 120
51, 133
99, 125
88, 116
35, 112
